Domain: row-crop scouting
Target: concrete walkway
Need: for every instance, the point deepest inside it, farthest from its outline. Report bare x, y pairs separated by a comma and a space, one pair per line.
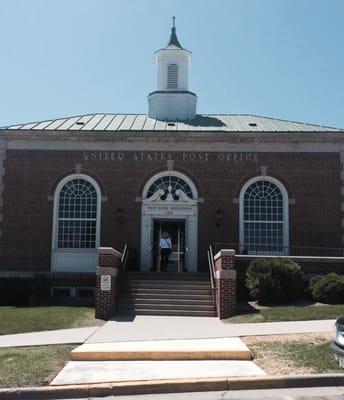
61, 336
148, 327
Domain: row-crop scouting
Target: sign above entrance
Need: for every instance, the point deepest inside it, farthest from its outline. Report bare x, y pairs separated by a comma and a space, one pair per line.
115, 156
159, 209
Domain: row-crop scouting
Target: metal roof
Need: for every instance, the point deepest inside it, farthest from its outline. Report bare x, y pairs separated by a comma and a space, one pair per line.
141, 122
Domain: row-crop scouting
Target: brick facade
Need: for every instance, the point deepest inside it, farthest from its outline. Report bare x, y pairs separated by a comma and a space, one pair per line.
313, 181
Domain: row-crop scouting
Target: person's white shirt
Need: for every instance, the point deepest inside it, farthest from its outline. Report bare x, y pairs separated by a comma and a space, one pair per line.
165, 243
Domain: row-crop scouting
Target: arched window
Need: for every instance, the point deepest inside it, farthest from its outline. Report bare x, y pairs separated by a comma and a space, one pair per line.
172, 76
264, 217
77, 213
170, 181
173, 180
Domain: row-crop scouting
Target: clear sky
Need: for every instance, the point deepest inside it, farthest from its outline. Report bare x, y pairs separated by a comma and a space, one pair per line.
276, 58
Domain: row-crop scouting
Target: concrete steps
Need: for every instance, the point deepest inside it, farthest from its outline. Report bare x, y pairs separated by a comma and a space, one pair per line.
197, 349
162, 360
171, 372
166, 294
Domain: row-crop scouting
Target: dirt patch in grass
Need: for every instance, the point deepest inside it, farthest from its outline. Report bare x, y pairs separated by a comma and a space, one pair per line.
293, 354
28, 366
33, 319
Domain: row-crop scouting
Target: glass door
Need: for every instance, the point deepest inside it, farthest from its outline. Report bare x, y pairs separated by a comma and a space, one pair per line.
176, 231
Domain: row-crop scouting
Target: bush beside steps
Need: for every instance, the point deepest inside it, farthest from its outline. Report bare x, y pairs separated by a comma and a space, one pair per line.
275, 280
328, 288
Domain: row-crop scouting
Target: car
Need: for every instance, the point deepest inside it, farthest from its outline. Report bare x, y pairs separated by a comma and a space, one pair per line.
337, 346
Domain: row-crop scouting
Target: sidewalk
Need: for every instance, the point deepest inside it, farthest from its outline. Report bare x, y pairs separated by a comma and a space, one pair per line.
61, 336
149, 327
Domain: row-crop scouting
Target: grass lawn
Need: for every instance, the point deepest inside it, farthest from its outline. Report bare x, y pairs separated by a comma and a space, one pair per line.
28, 366
30, 319
289, 313
293, 354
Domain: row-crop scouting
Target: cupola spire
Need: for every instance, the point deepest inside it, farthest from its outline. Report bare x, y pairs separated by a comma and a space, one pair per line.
174, 42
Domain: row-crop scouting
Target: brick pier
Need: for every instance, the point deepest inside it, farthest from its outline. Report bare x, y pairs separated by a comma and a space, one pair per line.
226, 283
107, 282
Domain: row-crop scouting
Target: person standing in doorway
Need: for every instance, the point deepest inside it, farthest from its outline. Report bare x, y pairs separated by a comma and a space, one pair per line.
165, 250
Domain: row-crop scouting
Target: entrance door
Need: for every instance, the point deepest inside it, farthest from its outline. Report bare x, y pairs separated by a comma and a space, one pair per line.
176, 230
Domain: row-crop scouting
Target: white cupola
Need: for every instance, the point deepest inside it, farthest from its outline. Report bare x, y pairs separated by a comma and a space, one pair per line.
172, 101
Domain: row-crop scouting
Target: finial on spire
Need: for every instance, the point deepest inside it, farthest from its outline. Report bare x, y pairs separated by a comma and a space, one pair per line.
173, 39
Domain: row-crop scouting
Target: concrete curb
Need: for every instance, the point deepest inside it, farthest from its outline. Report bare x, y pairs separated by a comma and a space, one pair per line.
171, 386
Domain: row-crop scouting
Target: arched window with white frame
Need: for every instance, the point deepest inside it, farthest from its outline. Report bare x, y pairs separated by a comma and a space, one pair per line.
172, 76
264, 219
76, 224
170, 182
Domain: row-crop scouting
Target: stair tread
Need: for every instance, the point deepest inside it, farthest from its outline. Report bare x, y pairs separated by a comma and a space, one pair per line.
150, 295
169, 288
166, 283
191, 306
170, 312
166, 301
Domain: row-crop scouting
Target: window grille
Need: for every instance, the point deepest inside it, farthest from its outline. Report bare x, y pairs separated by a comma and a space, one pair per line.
172, 76
175, 182
77, 215
263, 214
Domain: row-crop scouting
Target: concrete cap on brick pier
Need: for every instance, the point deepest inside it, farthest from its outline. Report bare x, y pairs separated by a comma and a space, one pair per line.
109, 250
224, 253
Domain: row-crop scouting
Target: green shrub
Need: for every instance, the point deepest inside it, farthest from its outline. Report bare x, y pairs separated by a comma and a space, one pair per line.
310, 287
328, 289
313, 282
275, 280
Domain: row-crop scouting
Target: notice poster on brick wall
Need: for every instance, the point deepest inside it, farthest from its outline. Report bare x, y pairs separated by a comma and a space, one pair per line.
105, 282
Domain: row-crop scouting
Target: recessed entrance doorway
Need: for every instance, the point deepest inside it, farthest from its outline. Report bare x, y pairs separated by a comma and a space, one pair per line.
169, 200
176, 231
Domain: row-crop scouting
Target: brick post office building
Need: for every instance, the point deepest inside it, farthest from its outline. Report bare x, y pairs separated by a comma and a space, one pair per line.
71, 185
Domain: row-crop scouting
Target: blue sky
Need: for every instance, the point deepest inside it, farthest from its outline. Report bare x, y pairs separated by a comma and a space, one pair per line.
277, 58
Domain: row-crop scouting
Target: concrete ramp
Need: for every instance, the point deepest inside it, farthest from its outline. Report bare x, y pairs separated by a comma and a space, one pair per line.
197, 349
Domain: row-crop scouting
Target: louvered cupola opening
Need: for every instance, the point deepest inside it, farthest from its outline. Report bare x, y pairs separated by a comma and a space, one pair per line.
172, 76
